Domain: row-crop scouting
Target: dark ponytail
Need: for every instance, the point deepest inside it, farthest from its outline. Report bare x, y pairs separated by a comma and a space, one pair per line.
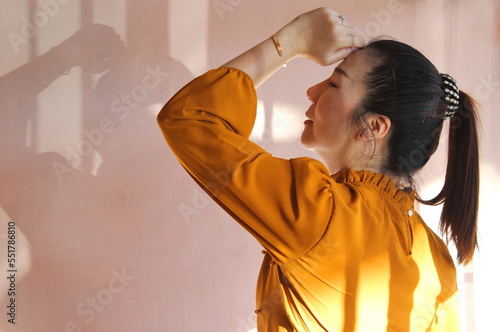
460, 193
403, 85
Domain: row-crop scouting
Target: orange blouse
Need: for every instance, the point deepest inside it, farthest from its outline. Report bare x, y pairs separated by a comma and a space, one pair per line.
346, 252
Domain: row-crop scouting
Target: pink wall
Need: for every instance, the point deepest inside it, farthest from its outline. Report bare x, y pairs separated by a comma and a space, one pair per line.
111, 233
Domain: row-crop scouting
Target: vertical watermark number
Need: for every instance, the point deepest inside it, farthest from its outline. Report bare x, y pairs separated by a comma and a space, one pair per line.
11, 272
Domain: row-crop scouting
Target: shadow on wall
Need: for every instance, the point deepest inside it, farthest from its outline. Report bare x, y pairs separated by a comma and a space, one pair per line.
85, 224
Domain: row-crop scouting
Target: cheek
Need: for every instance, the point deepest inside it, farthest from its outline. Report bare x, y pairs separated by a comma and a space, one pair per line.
337, 130
334, 119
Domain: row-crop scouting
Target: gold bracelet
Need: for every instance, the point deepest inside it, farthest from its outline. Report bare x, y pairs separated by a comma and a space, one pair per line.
277, 44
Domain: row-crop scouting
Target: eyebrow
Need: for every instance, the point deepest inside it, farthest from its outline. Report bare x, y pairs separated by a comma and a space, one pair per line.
341, 72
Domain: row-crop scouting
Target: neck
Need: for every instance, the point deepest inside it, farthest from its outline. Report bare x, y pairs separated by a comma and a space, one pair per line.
372, 165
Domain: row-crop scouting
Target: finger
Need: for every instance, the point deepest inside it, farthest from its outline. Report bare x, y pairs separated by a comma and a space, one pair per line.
338, 55
352, 41
359, 41
350, 37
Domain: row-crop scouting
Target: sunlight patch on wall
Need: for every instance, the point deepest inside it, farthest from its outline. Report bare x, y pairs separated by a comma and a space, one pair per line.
58, 116
486, 271
155, 108
118, 20
16, 36
286, 124
260, 122
282, 124
192, 51
57, 21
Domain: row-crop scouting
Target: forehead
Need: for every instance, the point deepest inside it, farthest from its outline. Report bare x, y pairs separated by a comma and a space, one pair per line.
355, 65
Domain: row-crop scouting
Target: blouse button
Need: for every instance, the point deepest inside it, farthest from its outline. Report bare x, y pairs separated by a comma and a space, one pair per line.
410, 213
257, 311
272, 263
264, 252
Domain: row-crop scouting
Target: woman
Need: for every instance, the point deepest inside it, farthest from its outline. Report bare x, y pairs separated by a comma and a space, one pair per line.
344, 248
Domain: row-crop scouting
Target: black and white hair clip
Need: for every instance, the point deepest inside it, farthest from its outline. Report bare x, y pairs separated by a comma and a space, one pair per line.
452, 95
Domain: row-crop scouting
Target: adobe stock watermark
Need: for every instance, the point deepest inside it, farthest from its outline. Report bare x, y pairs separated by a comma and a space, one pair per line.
121, 107
267, 308
218, 181
30, 27
222, 7
88, 309
382, 18
486, 88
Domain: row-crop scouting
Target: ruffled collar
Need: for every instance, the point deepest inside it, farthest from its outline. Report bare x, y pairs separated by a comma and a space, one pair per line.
381, 182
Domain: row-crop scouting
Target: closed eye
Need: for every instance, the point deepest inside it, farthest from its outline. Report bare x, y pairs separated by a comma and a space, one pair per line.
331, 84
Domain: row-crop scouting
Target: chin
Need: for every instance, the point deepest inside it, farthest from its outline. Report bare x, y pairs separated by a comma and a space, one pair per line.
305, 141
308, 139
307, 145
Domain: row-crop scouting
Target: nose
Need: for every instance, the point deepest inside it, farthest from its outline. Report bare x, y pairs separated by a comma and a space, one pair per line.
314, 92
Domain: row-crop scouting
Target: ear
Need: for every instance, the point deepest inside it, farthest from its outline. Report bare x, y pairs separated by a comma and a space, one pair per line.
377, 127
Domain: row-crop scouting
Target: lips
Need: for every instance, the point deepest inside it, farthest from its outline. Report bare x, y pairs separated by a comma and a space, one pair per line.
308, 116
308, 120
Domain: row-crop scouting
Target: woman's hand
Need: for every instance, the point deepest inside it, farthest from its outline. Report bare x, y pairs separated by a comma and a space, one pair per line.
318, 35
321, 36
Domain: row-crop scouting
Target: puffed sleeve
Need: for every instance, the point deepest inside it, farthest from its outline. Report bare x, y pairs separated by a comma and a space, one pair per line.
285, 204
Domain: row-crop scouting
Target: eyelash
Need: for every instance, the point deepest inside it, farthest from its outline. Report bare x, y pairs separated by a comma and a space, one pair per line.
331, 84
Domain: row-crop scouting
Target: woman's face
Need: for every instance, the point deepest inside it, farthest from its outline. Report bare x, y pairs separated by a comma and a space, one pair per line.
328, 129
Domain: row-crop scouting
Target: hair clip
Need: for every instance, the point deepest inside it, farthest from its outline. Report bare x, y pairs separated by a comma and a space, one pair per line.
452, 95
